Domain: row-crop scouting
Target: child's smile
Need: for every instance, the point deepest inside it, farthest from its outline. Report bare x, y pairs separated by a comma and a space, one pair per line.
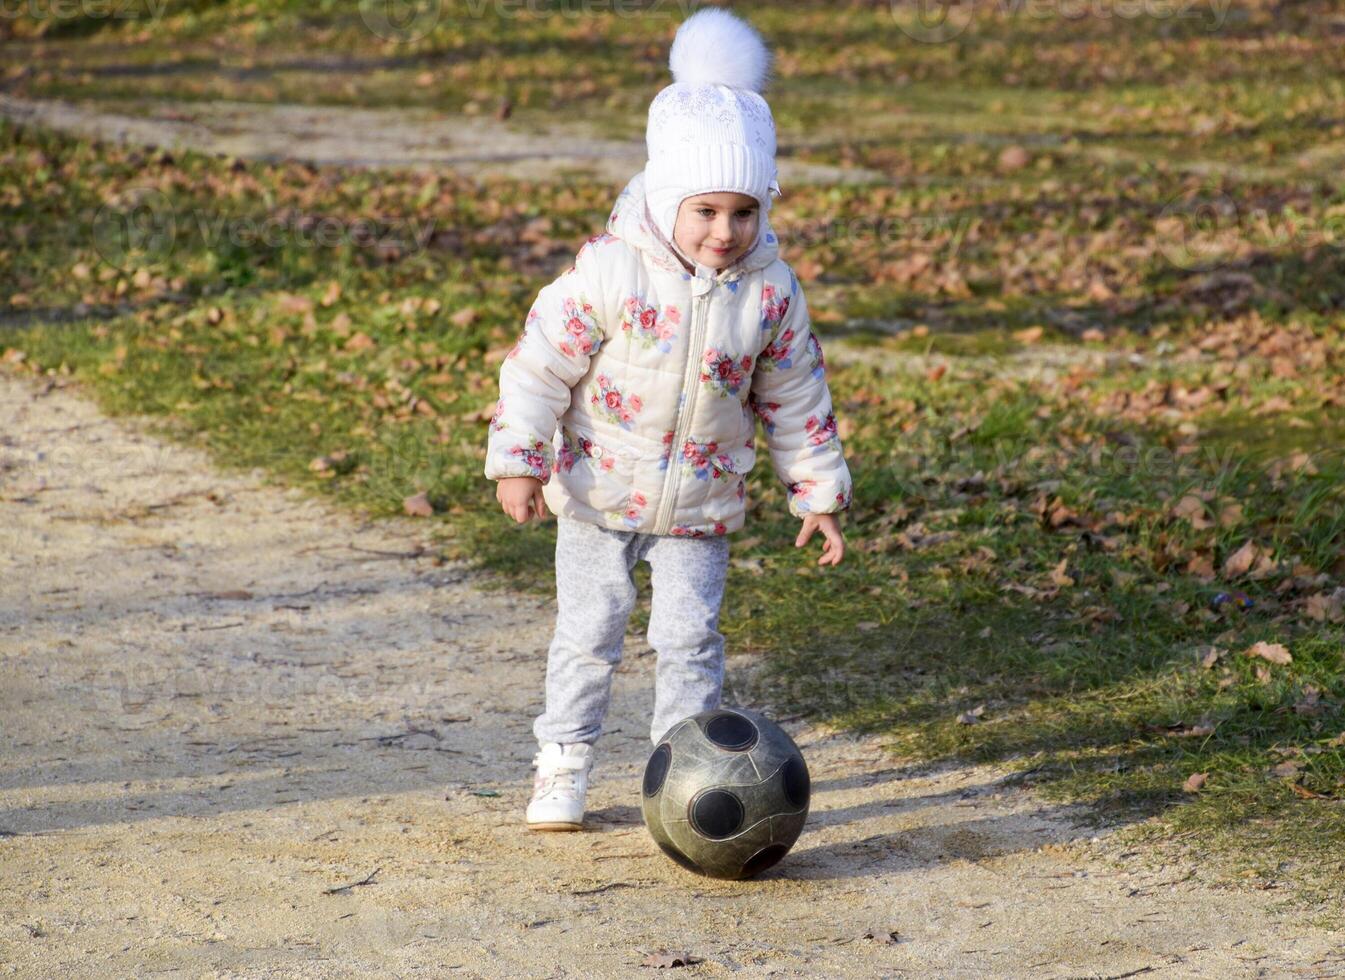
716, 229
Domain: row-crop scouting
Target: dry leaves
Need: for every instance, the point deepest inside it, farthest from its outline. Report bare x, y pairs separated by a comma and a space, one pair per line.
331, 464
884, 937
1326, 608
1192, 510
664, 960
1195, 782
1209, 656
1275, 653
1251, 560
971, 717
1201, 567
418, 505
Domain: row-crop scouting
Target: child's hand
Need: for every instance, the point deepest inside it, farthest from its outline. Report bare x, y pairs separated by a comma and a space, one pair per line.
833, 549
519, 496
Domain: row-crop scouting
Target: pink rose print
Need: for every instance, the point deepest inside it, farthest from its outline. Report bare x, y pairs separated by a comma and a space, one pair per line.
648, 325
687, 531
618, 408
764, 411
704, 461
800, 492
635, 506
773, 308
775, 355
572, 450
821, 431
496, 423
518, 344
724, 373
815, 357
582, 336
536, 456
667, 450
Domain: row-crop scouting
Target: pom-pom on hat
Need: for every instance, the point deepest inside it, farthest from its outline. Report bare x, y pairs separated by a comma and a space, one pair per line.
710, 130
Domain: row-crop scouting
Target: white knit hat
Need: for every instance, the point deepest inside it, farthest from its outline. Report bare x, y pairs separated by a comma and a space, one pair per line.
710, 130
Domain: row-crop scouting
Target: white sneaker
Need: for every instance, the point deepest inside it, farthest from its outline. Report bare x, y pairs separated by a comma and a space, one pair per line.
559, 787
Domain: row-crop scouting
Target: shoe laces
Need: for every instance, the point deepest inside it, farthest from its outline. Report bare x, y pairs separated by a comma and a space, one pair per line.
557, 774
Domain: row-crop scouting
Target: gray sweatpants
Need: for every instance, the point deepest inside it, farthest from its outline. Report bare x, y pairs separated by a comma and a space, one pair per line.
594, 598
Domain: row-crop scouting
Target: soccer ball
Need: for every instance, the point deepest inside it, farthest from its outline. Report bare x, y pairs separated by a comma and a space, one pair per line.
726, 793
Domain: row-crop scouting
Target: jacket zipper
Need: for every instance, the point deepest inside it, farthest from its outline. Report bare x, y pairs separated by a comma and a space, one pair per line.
690, 387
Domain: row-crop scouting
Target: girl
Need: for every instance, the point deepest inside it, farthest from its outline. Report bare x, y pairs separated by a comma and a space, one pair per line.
627, 406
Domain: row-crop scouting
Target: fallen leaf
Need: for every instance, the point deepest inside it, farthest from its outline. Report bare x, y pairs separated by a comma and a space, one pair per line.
418, 505
1275, 653
1192, 510
330, 464
1323, 607
1311, 702
291, 303
360, 341
1209, 656
1304, 792
971, 717
1240, 561
888, 938
1201, 567
664, 960
464, 317
1195, 782
936, 372
1059, 576
1013, 158
1286, 770
332, 294
1028, 336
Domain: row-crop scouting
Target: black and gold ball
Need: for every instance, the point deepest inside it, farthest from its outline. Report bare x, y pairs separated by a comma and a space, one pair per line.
726, 793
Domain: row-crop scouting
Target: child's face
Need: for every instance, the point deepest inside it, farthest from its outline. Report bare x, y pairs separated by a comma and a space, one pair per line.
716, 229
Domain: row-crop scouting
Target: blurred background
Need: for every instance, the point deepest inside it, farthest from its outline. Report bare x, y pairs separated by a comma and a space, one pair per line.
1076, 265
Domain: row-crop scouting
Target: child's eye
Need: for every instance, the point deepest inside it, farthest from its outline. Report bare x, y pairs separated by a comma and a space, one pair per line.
705, 212
747, 213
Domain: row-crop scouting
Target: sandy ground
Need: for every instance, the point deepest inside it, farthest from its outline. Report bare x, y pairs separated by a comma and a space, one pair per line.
223, 699
358, 137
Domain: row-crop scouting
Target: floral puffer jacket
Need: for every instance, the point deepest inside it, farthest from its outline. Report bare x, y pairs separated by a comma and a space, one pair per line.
631, 392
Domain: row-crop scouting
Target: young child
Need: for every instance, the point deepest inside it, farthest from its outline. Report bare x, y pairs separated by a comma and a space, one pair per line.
627, 405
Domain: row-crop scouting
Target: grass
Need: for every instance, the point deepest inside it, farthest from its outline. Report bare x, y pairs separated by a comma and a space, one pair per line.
1069, 404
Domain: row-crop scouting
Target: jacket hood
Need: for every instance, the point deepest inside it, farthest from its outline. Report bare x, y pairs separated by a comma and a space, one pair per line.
630, 222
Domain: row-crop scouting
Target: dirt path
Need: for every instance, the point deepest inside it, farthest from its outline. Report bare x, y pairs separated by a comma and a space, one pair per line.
187, 770
357, 137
